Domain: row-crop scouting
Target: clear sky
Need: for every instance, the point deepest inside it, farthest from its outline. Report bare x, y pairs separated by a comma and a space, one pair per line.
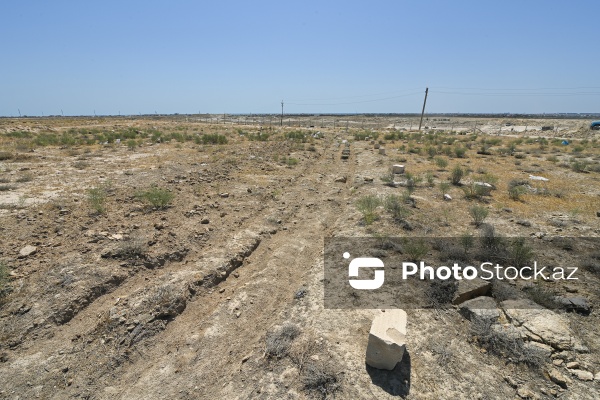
322, 56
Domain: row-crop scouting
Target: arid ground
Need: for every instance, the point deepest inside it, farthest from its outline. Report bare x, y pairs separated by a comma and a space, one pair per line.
178, 258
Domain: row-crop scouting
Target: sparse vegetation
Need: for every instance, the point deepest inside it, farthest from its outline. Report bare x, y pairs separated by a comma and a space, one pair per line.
479, 214
156, 197
96, 197
278, 342
367, 205
457, 175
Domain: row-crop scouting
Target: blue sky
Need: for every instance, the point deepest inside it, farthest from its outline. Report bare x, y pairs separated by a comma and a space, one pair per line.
317, 56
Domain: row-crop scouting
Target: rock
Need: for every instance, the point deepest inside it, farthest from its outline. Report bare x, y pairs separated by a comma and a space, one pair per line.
557, 362
510, 380
598, 214
387, 339
526, 393
205, 221
558, 378
341, 179
382, 151
570, 289
582, 375
483, 188
539, 324
523, 222
539, 348
397, 169
482, 308
224, 195
27, 251
469, 289
447, 197
597, 376
368, 179
578, 304
573, 365
538, 178
376, 145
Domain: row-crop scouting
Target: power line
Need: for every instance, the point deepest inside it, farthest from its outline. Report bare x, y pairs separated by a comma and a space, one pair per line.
354, 102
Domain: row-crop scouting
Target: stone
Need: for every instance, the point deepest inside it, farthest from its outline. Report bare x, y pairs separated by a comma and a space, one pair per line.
205, 221
483, 188
224, 195
573, 365
526, 393
523, 222
447, 197
341, 179
538, 178
398, 169
570, 289
557, 362
27, 251
597, 376
578, 304
387, 339
582, 375
511, 381
540, 348
469, 289
540, 324
382, 151
558, 378
376, 145
480, 308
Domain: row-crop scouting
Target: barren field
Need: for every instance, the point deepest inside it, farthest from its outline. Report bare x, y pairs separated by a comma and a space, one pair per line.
178, 258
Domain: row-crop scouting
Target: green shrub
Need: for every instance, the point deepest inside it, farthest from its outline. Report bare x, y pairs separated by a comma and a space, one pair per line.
157, 197
415, 249
516, 192
394, 204
367, 205
444, 186
441, 162
579, 166
479, 214
456, 175
213, 138
459, 152
96, 197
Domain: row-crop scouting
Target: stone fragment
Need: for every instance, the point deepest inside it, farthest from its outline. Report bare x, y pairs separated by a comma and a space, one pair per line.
558, 378
398, 169
27, 251
480, 308
469, 289
387, 341
582, 375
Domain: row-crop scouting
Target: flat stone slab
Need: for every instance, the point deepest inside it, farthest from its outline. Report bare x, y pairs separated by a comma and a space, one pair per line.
480, 308
387, 341
540, 324
469, 289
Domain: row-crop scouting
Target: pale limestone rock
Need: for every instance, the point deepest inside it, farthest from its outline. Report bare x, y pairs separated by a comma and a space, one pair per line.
387, 339
398, 169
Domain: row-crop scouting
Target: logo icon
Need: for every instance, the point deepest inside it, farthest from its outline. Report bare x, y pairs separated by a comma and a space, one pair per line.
365, 262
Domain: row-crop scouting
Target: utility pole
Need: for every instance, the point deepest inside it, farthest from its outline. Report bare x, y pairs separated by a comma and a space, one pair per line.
19, 111
423, 111
281, 121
